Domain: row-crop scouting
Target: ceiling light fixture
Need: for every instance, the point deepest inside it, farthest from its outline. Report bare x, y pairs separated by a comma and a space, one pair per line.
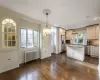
74, 32
96, 18
47, 30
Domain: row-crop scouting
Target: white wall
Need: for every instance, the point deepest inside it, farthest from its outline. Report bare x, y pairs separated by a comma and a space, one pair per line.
57, 40
61, 32
45, 42
16, 54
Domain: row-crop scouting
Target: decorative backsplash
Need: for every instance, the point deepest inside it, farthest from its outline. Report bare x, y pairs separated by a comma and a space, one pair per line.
95, 42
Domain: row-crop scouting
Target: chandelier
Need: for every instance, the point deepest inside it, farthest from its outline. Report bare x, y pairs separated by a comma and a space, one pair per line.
46, 30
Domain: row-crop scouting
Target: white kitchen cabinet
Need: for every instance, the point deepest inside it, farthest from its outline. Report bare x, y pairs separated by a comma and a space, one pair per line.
97, 32
69, 35
93, 32
87, 52
93, 51
75, 52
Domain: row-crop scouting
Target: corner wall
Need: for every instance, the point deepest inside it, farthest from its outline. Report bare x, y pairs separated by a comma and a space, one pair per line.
45, 43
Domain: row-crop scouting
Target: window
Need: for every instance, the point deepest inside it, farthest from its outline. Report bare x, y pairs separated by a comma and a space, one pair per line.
80, 38
23, 38
29, 38
35, 38
8, 33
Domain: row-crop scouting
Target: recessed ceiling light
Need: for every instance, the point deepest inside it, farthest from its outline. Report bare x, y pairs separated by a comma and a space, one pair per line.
87, 16
81, 25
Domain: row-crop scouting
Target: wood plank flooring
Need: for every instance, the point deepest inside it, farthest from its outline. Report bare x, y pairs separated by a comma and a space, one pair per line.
57, 67
92, 60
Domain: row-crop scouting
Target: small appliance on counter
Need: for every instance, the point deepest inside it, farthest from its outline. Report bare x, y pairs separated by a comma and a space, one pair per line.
68, 42
88, 42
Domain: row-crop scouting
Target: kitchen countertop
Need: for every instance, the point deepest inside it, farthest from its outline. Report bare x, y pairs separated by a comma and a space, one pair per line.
79, 45
75, 45
92, 45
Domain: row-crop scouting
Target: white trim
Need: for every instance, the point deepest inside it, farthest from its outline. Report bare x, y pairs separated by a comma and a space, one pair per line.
27, 38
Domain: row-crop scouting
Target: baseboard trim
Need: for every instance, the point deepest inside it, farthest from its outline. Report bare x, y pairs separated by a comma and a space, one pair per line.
15, 67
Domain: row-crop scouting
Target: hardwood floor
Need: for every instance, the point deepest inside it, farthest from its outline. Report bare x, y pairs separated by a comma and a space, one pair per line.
92, 60
57, 67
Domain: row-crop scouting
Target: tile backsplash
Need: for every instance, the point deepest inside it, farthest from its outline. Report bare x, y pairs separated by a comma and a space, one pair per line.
95, 42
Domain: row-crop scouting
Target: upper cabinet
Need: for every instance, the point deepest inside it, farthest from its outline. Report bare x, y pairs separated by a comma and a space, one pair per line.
93, 32
97, 32
69, 34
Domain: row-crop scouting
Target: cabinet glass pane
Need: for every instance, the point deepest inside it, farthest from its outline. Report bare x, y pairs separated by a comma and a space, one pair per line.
13, 43
5, 36
13, 30
9, 43
5, 43
9, 30
13, 37
5, 29
9, 36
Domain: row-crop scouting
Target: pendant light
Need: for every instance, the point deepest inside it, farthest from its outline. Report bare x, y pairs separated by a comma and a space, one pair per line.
47, 30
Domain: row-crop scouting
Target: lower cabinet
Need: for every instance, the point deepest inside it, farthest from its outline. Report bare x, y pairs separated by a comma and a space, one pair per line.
75, 52
93, 51
8, 61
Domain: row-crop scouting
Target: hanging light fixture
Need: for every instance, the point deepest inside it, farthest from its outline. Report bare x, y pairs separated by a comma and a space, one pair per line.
47, 30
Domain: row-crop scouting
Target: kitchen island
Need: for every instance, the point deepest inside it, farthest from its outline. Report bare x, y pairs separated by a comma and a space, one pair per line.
75, 51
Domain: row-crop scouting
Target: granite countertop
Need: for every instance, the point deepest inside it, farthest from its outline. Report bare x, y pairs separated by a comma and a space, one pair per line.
75, 45
92, 45
81, 45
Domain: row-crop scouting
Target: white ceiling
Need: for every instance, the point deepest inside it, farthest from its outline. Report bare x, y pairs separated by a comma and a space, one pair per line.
65, 13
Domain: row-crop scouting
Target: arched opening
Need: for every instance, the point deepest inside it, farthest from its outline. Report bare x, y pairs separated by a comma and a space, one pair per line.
8, 33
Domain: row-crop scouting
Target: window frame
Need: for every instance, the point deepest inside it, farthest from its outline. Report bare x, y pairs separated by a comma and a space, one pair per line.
84, 40
27, 38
